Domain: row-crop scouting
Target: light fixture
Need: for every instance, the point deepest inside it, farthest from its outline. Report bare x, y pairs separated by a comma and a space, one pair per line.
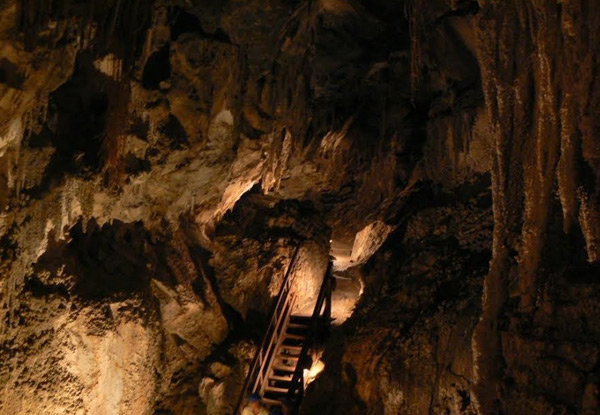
315, 370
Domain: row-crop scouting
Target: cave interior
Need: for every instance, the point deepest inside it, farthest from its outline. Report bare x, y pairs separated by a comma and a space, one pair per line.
357, 207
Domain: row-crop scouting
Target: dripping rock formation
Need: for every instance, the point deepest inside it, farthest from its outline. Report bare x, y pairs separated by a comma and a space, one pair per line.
160, 162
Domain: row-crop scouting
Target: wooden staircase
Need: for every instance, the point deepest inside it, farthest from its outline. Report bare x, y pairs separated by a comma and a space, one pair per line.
277, 372
287, 361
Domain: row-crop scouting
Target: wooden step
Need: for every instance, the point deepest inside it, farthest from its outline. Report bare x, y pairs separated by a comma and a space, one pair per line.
298, 326
276, 396
281, 362
297, 349
277, 378
287, 357
279, 396
290, 353
300, 319
284, 368
294, 336
271, 402
276, 389
293, 342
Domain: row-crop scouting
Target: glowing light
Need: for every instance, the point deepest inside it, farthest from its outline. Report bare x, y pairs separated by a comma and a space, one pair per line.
315, 370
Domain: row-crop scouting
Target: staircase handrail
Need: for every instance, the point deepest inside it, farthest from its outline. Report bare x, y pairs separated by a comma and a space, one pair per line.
263, 355
319, 315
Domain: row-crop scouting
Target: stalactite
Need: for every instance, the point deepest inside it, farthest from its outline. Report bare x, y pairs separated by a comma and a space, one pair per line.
486, 341
590, 225
533, 108
117, 28
118, 115
414, 12
539, 176
566, 169
35, 118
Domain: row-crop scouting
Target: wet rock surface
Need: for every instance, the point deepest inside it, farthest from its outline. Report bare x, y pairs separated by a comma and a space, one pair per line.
160, 162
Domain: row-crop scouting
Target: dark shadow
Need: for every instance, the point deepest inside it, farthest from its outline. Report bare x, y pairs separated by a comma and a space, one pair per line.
157, 69
184, 22
10, 74
175, 133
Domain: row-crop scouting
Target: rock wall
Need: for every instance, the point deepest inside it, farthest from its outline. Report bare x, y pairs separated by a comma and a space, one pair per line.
531, 347
160, 161
407, 347
543, 179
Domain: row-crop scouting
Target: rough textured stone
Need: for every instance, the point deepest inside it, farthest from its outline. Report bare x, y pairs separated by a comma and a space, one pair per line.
160, 161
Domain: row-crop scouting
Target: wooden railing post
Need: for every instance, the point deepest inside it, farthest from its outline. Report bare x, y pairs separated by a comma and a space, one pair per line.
328, 291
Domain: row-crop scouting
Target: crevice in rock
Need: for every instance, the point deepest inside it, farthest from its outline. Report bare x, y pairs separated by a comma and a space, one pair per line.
157, 68
10, 74
175, 133
184, 22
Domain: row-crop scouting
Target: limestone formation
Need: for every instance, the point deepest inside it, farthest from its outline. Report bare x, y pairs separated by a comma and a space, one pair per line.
160, 161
